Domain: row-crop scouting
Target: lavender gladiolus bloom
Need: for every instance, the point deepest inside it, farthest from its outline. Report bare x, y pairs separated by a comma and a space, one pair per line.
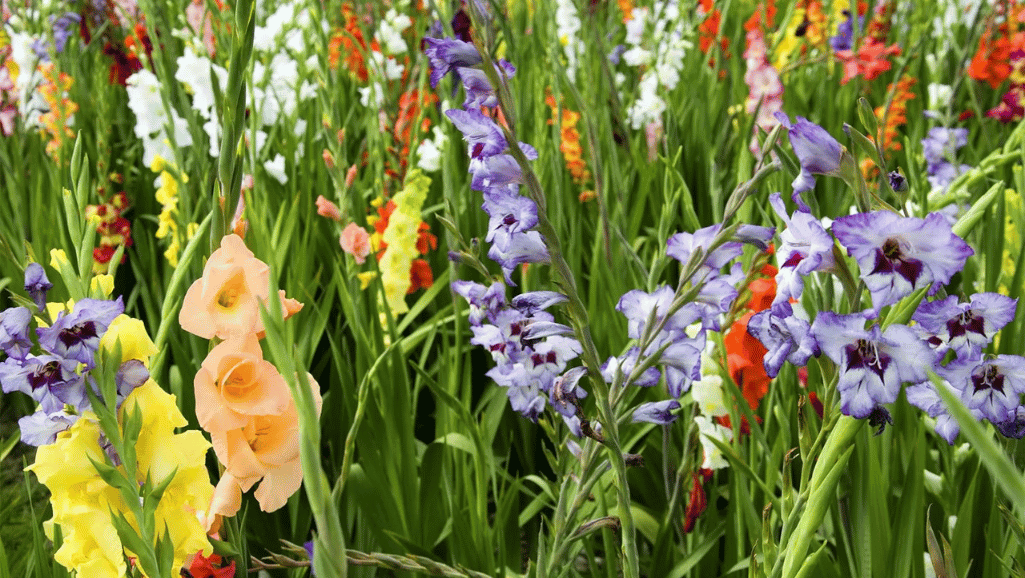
898, 255
51, 381
14, 338
37, 284
939, 148
818, 152
625, 364
41, 428
77, 335
483, 136
924, 397
656, 412
448, 53
873, 363
785, 336
845, 32
806, 247
485, 302
62, 29
991, 388
479, 91
965, 327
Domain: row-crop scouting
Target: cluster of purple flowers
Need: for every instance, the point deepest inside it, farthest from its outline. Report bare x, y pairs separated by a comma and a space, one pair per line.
939, 148
529, 348
672, 332
844, 39
896, 256
496, 173
57, 378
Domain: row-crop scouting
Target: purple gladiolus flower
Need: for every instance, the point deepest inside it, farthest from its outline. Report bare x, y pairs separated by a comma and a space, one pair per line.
77, 335
658, 412
130, 375
63, 28
41, 428
965, 327
481, 134
898, 255
566, 394
805, 247
898, 183
873, 363
448, 53
626, 364
924, 397
479, 91
991, 388
14, 338
498, 170
515, 250
785, 336
37, 284
510, 213
939, 148
51, 381
485, 302
818, 152
845, 32
682, 245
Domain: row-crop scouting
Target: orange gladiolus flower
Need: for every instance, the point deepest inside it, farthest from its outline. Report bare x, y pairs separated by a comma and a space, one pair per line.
264, 450
235, 382
224, 301
991, 62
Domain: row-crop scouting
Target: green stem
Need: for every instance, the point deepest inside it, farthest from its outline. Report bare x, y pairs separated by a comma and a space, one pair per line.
821, 492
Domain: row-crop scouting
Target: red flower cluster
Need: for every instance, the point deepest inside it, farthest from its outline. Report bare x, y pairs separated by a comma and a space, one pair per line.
114, 230
350, 42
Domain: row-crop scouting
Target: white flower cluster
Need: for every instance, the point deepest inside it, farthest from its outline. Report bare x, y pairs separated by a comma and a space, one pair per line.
567, 28
30, 101
661, 54
708, 394
382, 66
151, 120
430, 151
196, 73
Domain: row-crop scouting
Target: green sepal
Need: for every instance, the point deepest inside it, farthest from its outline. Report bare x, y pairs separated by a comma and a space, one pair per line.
131, 540
868, 119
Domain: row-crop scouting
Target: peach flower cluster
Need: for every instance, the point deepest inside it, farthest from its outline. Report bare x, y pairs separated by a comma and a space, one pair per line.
241, 399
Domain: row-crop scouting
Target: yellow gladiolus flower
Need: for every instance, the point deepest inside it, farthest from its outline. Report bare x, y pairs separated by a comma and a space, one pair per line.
82, 500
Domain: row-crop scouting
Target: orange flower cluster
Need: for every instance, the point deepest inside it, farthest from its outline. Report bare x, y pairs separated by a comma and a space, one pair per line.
114, 230
627, 8
241, 399
55, 121
420, 274
349, 40
744, 353
411, 104
569, 142
897, 115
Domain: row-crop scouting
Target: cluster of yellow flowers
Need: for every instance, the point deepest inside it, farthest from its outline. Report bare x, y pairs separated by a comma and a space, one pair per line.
82, 501
401, 238
167, 196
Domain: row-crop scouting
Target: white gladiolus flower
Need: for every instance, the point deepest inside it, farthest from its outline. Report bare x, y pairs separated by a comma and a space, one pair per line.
276, 168
707, 431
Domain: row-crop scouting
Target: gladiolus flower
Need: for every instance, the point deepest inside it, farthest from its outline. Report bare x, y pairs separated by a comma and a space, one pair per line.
326, 208
355, 241
223, 302
234, 383
264, 450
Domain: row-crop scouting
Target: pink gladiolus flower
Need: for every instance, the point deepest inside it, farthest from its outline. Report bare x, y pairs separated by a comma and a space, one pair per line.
326, 208
356, 242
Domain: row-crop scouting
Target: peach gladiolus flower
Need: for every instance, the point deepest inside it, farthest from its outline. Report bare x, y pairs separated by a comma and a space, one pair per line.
326, 208
264, 450
355, 241
224, 301
235, 382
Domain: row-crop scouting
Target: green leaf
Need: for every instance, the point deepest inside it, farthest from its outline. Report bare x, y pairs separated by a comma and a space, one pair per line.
1006, 475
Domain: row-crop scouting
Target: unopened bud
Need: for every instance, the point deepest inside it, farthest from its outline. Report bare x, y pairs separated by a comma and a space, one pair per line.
329, 159
350, 176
